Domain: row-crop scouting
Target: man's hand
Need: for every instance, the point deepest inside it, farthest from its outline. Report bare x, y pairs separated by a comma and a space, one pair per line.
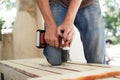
67, 32
51, 37
51, 28
67, 25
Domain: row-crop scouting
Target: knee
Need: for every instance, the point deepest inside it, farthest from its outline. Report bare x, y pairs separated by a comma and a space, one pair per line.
55, 63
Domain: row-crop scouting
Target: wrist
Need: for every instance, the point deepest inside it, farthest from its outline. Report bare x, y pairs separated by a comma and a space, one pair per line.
50, 24
68, 22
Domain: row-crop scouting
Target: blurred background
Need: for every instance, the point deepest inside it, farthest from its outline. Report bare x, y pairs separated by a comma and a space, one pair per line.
19, 20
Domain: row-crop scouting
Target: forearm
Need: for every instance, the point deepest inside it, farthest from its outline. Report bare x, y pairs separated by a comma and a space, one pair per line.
46, 12
72, 11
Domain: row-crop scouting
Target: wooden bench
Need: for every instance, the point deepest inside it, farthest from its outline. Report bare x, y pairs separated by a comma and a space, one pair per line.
39, 69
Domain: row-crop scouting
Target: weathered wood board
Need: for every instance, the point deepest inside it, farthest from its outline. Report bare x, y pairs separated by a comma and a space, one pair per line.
39, 69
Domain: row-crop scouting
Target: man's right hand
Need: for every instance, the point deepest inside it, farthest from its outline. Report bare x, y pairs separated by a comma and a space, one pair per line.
51, 37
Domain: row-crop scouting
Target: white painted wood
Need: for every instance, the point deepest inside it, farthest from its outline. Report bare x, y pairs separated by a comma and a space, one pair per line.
39, 69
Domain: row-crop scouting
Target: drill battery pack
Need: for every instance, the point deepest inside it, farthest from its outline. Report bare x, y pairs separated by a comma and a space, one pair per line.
40, 41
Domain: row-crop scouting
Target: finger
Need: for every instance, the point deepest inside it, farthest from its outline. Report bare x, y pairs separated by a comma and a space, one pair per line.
47, 41
69, 39
69, 36
65, 34
68, 43
52, 43
60, 32
56, 44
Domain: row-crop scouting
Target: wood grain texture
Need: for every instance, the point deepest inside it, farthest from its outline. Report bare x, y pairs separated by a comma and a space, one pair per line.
40, 69
99, 76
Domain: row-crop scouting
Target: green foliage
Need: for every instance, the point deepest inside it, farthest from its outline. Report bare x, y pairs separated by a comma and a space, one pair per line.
116, 40
8, 4
1, 24
112, 15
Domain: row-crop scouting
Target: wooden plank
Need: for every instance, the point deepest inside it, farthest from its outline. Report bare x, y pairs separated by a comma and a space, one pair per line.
47, 68
65, 67
87, 75
27, 69
10, 74
77, 67
39, 69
